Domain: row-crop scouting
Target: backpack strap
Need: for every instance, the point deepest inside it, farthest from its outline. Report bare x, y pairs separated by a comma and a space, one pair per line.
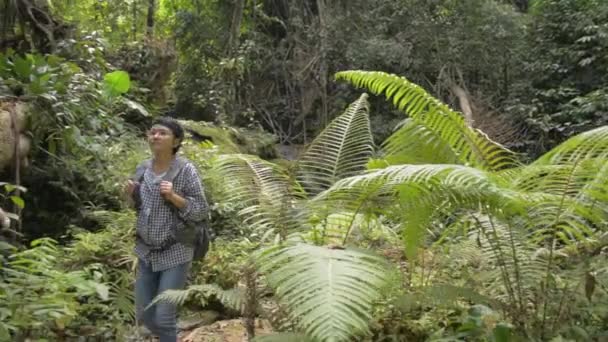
175, 169
138, 177
141, 169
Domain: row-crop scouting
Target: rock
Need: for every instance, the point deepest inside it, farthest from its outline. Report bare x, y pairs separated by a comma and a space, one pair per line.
199, 319
139, 334
226, 331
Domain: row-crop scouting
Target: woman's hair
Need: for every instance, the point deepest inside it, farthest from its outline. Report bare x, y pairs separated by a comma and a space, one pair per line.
174, 126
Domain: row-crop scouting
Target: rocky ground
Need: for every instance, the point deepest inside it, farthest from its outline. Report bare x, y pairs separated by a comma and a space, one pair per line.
203, 327
225, 331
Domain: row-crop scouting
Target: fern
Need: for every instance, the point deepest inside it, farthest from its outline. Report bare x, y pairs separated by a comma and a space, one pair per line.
390, 179
419, 189
441, 295
340, 151
232, 298
592, 144
414, 143
272, 202
559, 202
262, 189
443, 128
328, 292
36, 293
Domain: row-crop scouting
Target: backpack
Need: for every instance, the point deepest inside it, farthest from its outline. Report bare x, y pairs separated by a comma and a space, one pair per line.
195, 233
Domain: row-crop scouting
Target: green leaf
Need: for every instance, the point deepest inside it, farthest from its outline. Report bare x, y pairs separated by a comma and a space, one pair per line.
258, 186
502, 333
137, 107
23, 68
341, 150
445, 133
328, 292
18, 201
117, 82
102, 291
4, 333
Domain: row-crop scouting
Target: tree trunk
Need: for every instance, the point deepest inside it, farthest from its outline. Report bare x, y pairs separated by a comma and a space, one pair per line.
150, 21
42, 24
323, 61
465, 104
251, 301
134, 9
231, 47
235, 26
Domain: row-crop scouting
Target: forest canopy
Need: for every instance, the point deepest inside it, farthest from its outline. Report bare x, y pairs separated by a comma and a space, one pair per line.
377, 170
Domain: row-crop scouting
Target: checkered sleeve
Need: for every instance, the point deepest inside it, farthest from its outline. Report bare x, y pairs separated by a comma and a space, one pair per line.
196, 204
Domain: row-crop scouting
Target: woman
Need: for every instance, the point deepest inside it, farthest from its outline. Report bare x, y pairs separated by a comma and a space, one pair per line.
162, 208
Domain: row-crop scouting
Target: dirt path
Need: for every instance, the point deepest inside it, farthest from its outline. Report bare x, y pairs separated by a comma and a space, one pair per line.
225, 331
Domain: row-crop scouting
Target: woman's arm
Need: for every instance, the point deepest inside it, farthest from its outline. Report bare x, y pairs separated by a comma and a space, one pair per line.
192, 206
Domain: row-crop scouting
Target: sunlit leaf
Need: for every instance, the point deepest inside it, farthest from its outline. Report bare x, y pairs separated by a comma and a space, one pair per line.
117, 82
18, 201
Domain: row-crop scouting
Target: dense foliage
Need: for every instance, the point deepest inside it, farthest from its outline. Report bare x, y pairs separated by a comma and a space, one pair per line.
385, 170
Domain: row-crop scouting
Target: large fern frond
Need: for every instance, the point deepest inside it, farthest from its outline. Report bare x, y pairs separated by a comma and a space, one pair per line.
595, 191
513, 270
248, 179
583, 159
463, 182
262, 189
565, 201
444, 126
341, 150
592, 144
500, 257
328, 292
417, 192
231, 298
414, 143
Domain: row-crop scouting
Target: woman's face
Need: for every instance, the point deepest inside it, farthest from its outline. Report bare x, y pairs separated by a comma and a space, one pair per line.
161, 139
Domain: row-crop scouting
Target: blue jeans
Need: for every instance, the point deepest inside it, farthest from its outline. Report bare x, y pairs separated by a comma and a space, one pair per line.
160, 319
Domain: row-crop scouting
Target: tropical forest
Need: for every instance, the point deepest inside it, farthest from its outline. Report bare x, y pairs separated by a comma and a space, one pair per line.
374, 170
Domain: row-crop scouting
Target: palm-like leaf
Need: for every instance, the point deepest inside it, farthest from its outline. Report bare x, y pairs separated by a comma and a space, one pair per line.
565, 201
341, 150
592, 144
414, 143
510, 256
462, 182
421, 191
443, 127
261, 188
232, 298
328, 292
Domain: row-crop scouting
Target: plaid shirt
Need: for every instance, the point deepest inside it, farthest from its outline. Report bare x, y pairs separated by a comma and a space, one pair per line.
157, 218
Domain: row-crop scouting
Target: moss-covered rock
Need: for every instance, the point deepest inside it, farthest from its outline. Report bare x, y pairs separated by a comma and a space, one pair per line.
233, 140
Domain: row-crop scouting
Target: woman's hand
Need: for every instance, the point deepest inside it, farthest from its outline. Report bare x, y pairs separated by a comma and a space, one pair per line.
130, 187
166, 190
